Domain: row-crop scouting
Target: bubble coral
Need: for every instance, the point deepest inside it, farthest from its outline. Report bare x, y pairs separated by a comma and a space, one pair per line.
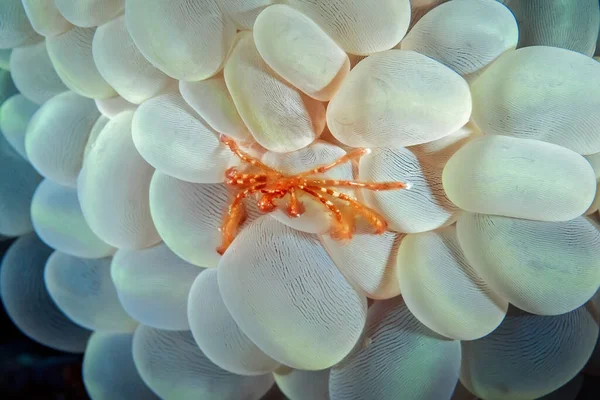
139, 122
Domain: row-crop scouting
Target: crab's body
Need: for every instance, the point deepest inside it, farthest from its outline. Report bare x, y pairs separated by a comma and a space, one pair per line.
272, 185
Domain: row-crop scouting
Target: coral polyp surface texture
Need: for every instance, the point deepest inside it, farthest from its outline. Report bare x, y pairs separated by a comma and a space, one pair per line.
332, 199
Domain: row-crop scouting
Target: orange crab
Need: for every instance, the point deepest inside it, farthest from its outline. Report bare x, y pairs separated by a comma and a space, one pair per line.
274, 185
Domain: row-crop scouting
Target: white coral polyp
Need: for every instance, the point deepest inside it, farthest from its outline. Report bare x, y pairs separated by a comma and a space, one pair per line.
135, 98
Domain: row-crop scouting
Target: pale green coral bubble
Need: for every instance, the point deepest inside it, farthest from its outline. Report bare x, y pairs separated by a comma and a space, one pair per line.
413, 100
71, 55
113, 106
521, 178
288, 297
123, 66
528, 356
211, 99
378, 252
544, 268
113, 187
170, 136
298, 50
84, 291
27, 301
173, 366
571, 25
16, 30
279, 116
45, 17
7, 86
217, 334
422, 207
89, 13
188, 217
153, 285
568, 392
202, 33
109, 372
398, 357
5, 58
298, 384
57, 134
443, 290
359, 27
17, 186
58, 220
465, 35
34, 74
15, 114
518, 95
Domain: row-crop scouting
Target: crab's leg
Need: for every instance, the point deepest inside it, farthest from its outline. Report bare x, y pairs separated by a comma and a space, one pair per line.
236, 213
354, 184
340, 229
295, 207
372, 217
345, 158
266, 202
242, 155
246, 179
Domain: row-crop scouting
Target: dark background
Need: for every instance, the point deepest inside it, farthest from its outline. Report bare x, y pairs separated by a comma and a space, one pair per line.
31, 371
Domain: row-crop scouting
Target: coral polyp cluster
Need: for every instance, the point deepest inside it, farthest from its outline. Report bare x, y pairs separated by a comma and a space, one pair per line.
337, 199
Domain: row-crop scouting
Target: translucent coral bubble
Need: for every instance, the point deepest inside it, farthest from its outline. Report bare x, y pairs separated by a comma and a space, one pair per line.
188, 217
421, 208
95, 132
298, 50
45, 17
443, 290
153, 285
465, 35
398, 98
286, 294
551, 23
217, 334
84, 291
244, 12
568, 392
58, 221
109, 372
368, 261
16, 30
528, 356
594, 160
398, 358
518, 95
438, 152
17, 186
544, 268
34, 74
57, 134
359, 27
27, 301
279, 117
316, 218
519, 178
419, 8
89, 13
123, 66
185, 373
71, 55
113, 106
15, 114
210, 98
171, 137
201, 31
113, 188
298, 384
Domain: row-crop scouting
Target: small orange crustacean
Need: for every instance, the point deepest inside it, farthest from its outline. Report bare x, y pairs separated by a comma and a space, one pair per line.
273, 185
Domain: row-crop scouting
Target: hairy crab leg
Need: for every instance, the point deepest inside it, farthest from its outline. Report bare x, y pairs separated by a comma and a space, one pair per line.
246, 179
234, 217
245, 157
345, 158
339, 228
295, 207
266, 204
376, 186
372, 217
